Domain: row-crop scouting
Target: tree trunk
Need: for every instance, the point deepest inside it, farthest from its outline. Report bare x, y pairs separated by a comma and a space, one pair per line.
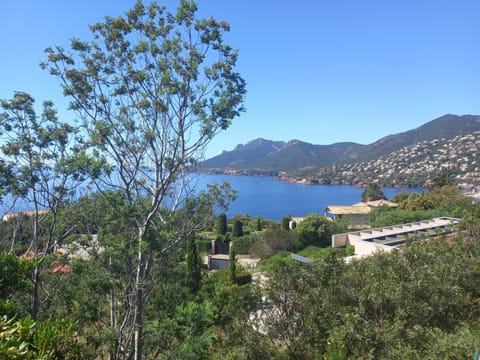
14, 237
113, 320
35, 296
138, 320
36, 270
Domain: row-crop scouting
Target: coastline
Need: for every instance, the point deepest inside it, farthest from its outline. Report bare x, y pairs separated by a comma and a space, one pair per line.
283, 176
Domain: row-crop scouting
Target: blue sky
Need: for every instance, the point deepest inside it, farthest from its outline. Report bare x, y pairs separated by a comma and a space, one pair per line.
320, 71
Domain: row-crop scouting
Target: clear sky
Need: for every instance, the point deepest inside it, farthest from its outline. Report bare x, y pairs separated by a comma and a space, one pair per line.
320, 71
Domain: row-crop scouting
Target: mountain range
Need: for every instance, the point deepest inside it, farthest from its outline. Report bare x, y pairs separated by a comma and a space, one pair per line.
262, 156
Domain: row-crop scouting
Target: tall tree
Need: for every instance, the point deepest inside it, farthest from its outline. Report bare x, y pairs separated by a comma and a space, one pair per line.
194, 269
443, 178
153, 88
286, 222
42, 152
232, 259
372, 192
222, 224
314, 230
237, 228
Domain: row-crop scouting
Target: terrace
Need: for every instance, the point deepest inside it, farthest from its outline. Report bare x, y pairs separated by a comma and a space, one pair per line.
388, 238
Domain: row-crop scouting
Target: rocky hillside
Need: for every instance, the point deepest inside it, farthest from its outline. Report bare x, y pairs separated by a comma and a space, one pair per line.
412, 165
263, 156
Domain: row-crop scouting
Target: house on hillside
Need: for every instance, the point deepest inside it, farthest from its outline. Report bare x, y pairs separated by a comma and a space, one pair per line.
356, 214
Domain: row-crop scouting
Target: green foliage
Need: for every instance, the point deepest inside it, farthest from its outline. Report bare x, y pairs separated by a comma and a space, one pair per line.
49, 166
204, 245
442, 178
152, 89
193, 331
231, 302
439, 201
416, 202
401, 196
317, 253
258, 224
232, 263
237, 229
16, 233
314, 230
291, 319
415, 303
194, 269
372, 192
286, 222
349, 250
272, 241
244, 243
470, 224
222, 224
243, 278
27, 339
275, 261
14, 274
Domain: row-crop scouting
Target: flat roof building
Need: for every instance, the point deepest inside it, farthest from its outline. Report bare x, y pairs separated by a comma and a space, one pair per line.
387, 238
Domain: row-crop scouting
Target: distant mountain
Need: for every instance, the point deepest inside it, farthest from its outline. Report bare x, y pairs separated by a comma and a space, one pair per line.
297, 154
262, 155
244, 156
267, 156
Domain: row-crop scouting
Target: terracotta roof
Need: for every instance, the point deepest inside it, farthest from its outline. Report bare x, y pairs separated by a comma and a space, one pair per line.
60, 268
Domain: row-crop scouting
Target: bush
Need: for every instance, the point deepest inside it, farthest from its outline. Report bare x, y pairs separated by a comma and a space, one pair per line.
243, 277
273, 241
204, 245
273, 262
243, 244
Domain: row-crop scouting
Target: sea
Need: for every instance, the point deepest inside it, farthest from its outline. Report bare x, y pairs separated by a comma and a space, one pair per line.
272, 199
264, 196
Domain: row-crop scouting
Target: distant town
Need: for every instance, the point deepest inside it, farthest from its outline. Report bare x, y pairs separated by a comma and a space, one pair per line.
410, 166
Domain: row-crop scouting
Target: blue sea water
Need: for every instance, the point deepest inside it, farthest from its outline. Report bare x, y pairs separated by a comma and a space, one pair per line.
266, 196
272, 199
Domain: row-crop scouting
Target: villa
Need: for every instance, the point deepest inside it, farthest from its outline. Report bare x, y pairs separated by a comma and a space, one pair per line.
388, 238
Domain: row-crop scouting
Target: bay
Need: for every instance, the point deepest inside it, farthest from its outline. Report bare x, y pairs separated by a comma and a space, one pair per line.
265, 196
272, 199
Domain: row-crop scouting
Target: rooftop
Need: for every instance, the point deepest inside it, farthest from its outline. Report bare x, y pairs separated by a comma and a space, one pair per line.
388, 238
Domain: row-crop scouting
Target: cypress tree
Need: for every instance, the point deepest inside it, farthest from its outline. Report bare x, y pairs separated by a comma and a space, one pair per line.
237, 230
194, 270
222, 224
232, 264
286, 223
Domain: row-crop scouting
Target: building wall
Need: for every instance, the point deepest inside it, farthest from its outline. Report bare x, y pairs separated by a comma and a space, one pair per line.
339, 240
367, 248
218, 264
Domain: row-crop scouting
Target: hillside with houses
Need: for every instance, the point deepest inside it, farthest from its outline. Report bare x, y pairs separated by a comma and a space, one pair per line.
406, 159
411, 166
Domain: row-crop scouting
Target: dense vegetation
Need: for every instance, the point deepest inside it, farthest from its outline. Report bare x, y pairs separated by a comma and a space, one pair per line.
420, 302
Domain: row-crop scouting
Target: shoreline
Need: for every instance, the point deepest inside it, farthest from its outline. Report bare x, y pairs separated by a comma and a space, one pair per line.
281, 176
